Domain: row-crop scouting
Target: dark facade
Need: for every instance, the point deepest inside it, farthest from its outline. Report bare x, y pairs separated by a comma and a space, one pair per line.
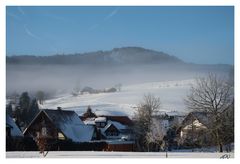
42, 126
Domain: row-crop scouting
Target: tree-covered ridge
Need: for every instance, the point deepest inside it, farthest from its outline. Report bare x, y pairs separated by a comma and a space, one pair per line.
125, 55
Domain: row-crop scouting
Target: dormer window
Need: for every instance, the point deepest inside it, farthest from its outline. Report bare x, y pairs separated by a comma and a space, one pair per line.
101, 122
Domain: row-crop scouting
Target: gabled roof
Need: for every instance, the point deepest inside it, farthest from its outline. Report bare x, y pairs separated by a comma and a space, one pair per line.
60, 116
116, 125
202, 118
69, 124
110, 126
89, 121
15, 131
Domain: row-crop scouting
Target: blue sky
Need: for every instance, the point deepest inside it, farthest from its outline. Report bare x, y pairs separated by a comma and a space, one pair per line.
194, 34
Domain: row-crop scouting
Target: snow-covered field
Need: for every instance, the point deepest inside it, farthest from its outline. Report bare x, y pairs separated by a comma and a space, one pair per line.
124, 102
91, 154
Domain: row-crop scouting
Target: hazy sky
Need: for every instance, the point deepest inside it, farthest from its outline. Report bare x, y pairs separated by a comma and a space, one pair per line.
193, 34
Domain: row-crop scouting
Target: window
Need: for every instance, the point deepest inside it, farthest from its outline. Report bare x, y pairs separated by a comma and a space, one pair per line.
112, 133
102, 124
61, 136
98, 124
44, 131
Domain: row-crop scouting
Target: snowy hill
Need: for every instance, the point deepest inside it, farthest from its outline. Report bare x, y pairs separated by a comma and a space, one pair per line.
124, 102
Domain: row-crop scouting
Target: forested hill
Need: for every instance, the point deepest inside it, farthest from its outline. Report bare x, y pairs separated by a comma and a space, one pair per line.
125, 55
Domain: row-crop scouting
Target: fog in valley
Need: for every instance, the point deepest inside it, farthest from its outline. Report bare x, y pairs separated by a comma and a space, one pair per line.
55, 79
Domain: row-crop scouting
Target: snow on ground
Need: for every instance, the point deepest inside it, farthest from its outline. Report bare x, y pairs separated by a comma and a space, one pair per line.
124, 102
92, 154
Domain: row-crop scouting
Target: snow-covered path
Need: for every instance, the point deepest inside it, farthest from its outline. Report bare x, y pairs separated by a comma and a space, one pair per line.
91, 154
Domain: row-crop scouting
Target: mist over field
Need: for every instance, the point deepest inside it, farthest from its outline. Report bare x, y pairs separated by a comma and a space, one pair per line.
52, 78
99, 70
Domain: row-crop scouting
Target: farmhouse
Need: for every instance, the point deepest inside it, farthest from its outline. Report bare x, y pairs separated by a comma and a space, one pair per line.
194, 128
60, 124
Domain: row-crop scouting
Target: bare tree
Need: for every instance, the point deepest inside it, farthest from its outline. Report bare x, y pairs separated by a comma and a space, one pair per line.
42, 145
156, 133
143, 119
214, 96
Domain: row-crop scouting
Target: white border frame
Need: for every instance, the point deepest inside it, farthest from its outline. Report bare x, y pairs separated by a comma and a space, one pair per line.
5, 3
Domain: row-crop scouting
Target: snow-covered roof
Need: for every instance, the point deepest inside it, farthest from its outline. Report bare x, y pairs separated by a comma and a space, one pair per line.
69, 124
100, 119
63, 116
201, 117
89, 121
196, 124
15, 131
117, 125
78, 133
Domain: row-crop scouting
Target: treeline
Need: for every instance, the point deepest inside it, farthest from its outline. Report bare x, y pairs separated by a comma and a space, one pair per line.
78, 91
55, 59
125, 55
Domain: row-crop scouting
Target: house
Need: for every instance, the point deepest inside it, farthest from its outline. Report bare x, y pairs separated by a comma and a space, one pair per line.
165, 121
112, 127
194, 128
60, 124
12, 130
116, 131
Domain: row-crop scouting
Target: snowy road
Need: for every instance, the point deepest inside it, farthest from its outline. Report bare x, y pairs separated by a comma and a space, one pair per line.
90, 154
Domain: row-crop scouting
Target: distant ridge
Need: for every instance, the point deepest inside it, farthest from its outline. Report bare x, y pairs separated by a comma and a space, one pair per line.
124, 55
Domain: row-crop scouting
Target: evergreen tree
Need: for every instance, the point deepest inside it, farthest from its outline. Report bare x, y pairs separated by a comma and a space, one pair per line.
33, 110
23, 110
24, 101
89, 113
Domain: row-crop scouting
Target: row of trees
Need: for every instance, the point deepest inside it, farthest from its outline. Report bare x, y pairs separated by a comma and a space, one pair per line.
77, 90
212, 95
